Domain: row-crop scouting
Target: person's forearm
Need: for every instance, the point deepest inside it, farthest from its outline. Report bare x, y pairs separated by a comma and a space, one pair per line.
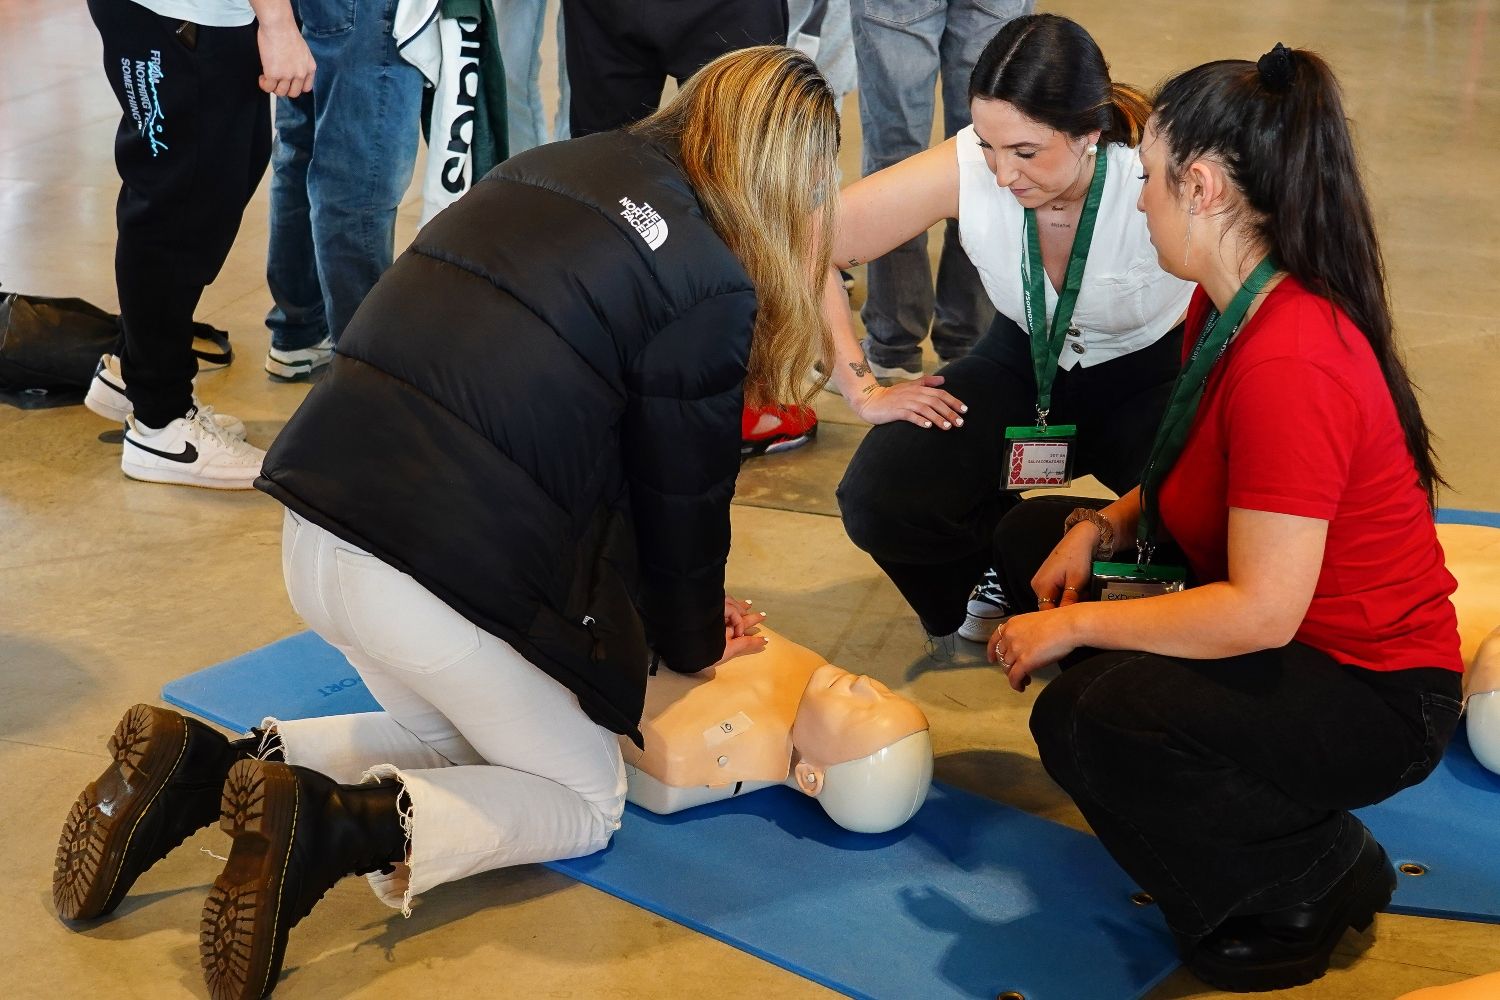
274, 14
848, 369
1209, 622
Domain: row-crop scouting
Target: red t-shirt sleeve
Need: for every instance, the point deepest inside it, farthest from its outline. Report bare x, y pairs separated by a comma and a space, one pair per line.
1291, 428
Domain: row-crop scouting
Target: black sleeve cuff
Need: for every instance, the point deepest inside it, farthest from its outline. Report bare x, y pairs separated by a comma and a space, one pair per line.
688, 652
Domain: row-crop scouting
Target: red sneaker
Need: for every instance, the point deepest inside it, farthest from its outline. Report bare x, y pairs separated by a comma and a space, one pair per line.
794, 427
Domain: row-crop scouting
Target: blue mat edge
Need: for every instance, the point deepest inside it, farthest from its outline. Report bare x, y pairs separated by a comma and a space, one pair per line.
1454, 515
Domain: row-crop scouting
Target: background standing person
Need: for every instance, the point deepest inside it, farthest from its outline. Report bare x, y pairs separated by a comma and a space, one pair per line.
191, 77
902, 50
343, 158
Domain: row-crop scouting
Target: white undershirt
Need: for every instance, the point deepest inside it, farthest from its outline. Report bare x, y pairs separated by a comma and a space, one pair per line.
212, 13
1127, 301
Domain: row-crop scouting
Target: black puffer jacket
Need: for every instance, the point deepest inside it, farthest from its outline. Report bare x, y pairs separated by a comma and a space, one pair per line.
536, 413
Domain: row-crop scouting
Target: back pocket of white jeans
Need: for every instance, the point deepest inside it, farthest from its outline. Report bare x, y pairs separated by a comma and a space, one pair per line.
397, 620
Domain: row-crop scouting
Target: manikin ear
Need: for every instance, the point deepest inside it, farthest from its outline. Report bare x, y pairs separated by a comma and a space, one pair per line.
809, 778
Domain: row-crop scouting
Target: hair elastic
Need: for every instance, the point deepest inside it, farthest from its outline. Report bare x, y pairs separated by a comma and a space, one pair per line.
1277, 69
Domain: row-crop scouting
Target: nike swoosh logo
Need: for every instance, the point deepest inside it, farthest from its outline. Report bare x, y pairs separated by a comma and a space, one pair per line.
188, 455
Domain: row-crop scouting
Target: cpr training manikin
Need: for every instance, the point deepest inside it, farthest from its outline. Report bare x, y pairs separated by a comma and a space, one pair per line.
782, 716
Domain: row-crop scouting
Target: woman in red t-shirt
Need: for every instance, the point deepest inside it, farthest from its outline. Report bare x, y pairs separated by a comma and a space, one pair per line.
1216, 738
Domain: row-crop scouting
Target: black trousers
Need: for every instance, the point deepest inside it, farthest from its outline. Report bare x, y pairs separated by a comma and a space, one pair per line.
620, 52
1223, 787
925, 503
193, 142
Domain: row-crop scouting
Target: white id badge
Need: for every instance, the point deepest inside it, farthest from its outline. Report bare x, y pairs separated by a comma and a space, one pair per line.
1037, 457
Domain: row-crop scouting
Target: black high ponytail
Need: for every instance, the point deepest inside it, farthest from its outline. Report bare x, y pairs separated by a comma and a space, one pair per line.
1278, 127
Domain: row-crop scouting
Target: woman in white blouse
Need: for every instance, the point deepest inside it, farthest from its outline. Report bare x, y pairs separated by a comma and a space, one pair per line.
1047, 175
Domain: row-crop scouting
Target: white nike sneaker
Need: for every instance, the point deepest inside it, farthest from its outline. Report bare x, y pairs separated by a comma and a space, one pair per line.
293, 365
106, 397
190, 451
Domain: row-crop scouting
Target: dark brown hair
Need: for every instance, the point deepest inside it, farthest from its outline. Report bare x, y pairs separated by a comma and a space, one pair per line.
1051, 70
1278, 127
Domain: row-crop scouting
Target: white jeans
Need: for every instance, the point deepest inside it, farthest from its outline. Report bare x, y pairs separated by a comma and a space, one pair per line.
498, 762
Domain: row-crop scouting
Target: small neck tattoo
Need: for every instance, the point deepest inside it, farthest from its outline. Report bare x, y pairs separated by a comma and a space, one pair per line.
1061, 225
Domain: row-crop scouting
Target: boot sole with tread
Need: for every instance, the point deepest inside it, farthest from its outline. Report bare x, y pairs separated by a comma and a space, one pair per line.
241, 942
146, 747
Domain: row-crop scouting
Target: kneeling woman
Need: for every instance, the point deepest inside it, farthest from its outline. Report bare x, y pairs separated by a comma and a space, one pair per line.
1218, 751
511, 490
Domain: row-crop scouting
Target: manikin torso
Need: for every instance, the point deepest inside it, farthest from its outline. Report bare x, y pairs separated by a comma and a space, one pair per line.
735, 728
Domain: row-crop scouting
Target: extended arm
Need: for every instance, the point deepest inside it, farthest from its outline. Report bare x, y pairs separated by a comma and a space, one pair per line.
876, 215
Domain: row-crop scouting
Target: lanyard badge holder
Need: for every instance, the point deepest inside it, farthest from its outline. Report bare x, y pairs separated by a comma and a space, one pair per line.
1124, 581
1043, 455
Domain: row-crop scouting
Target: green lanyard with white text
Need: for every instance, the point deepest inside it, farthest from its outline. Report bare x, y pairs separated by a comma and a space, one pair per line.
1047, 344
1182, 406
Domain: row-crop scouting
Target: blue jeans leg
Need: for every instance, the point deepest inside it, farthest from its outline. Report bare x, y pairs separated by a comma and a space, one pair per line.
296, 319
520, 23
902, 47
364, 111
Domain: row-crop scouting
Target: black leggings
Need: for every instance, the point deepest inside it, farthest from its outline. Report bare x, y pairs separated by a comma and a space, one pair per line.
925, 503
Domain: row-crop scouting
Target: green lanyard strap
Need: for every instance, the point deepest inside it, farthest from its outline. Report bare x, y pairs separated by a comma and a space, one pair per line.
1047, 345
1187, 393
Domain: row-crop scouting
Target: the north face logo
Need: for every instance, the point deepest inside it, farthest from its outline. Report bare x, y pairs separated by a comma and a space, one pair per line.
645, 220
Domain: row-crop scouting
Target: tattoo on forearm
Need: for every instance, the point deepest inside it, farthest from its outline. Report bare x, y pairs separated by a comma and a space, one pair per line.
860, 368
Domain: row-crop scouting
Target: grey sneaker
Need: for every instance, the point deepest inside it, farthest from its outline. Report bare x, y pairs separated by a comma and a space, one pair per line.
885, 376
292, 366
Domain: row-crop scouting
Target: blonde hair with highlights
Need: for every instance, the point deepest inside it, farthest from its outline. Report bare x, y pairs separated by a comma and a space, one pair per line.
758, 133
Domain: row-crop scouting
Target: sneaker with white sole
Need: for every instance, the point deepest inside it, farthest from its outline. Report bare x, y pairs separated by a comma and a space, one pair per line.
988, 609
192, 450
885, 376
106, 397
291, 366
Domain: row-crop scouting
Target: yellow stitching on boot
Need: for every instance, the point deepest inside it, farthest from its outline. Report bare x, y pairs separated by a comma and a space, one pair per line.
136, 825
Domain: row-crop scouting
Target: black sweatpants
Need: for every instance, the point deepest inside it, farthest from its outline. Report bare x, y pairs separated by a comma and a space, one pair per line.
925, 503
620, 52
193, 142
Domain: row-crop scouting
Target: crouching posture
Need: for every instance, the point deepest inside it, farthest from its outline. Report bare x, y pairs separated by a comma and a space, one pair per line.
510, 494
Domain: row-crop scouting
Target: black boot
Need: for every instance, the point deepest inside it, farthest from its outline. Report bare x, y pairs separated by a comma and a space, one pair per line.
161, 786
1285, 948
296, 833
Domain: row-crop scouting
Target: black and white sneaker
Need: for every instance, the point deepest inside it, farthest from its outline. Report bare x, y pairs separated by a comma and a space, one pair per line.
106, 397
988, 609
192, 450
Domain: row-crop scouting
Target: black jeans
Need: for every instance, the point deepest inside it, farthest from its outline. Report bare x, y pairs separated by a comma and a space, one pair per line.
926, 503
193, 142
620, 52
1223, 787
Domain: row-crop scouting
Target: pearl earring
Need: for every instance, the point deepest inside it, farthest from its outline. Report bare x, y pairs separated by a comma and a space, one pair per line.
1093, 148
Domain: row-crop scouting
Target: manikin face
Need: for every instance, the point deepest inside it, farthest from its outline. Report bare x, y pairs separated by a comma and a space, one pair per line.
1036, 163
1166, 216
844, 716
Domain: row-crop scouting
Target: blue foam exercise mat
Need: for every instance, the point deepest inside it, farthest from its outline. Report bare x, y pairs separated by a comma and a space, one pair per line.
968, 900
1449, 825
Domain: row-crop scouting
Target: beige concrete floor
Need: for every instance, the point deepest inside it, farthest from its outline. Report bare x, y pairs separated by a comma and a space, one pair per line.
109, 588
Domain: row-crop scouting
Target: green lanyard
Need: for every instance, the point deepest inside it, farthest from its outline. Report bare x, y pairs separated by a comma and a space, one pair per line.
1046, 346
1187, 392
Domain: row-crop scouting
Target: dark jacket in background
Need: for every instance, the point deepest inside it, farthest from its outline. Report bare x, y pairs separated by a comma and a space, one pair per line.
536, 415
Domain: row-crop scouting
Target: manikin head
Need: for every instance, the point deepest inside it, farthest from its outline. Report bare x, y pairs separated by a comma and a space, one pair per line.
861, 750
1482, 706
